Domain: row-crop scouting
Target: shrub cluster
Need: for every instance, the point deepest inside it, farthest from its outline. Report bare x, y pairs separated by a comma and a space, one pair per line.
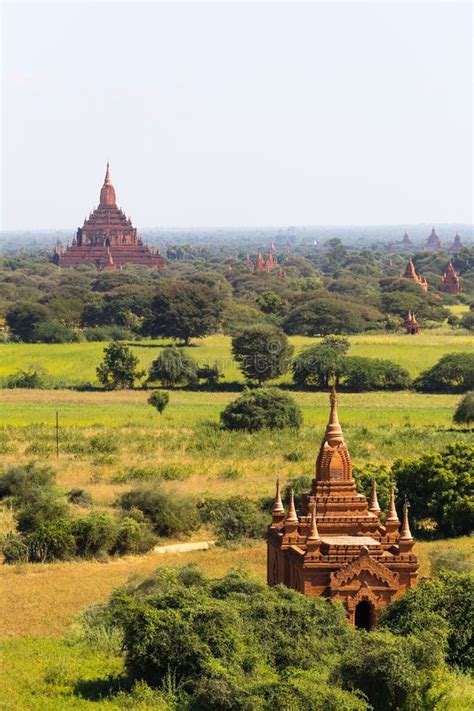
235, 643
46, 530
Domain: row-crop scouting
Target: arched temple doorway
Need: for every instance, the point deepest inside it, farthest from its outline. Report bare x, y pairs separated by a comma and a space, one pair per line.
364, 616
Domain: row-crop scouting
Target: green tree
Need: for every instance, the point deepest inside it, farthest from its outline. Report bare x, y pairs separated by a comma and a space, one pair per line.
168, 514
173, 367
360, 374
158, 400
184, 310
440, 488
52, 332
464, 413
263, 352
446, 604
23, 318
257, 409
453, 373
321, 364
118, 369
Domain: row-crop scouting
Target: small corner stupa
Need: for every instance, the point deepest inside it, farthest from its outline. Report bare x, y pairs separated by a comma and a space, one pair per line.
336, 546
107, 239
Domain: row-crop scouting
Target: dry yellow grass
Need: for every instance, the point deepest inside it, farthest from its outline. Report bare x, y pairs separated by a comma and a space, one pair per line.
43, 600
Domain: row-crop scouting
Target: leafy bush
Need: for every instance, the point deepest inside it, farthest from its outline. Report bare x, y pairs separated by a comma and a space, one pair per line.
453, 373
235, 643
53, 540
103, 443
257, 409
158, 400
33, 378
169, 514
445, 604
95, 533
464, 413
365, 374
300, 486
53, 332
108, 333
440, 487
132, 536
235, 518
79, 497
173, 367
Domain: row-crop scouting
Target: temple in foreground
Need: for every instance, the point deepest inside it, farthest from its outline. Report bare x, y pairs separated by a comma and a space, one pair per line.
107, 239
450, 283
336, 546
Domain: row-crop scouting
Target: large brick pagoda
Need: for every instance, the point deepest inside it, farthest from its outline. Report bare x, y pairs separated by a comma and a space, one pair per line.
336, 545
107, 238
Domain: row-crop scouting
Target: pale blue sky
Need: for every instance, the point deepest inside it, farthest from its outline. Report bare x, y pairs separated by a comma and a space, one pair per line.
238, 114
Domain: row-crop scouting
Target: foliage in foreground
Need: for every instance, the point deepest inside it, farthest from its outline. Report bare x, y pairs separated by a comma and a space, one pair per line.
235, 643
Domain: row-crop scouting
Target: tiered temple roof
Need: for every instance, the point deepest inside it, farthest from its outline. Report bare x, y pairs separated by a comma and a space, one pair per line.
410, 273
107, 238
433, 241
457, 245
336, 546
450, 283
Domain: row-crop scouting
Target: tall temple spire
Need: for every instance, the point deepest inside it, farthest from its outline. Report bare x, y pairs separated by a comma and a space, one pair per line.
107, 193
374, 502
334, 433
333, 461
108, 179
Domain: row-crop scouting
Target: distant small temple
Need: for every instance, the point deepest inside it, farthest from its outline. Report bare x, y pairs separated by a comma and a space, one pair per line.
457, 245
433, 241
107, 238
411, 324
336, 545
450, 283
406, 241
267, 264
410, 273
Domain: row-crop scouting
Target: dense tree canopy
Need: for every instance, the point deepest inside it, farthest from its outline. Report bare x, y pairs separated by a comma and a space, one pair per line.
440, 489
183, 311
118, 369
452, 373
263, 352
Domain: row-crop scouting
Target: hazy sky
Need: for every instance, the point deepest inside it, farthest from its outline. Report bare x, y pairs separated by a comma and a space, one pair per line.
237, 114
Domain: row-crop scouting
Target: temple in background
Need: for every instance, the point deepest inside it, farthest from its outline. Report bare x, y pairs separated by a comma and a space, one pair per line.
433, 241
336, 546
450, 283
410, 273
107, 239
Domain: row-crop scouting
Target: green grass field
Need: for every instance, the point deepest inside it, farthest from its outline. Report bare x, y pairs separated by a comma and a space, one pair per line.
76, 362
44, 666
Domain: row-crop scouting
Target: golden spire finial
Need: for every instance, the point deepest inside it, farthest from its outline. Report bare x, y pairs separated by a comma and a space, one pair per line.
291, 516
405, 533
108, 179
